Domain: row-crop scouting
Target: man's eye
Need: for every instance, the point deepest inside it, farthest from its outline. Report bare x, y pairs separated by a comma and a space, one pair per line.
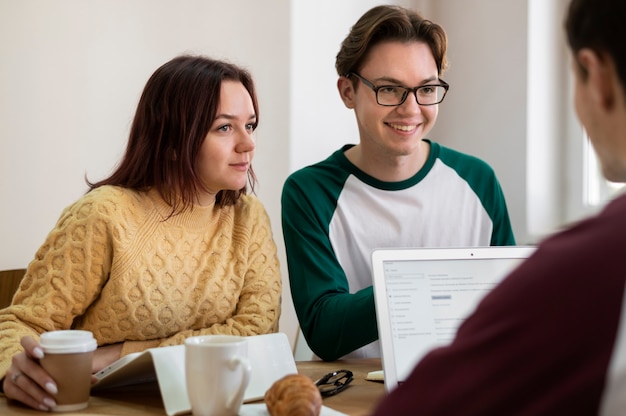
427, 90
390, 90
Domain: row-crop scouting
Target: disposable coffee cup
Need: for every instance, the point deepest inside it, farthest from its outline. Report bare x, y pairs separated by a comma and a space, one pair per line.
67, 358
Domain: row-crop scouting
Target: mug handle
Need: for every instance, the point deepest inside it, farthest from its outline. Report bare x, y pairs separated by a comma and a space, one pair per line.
246, 368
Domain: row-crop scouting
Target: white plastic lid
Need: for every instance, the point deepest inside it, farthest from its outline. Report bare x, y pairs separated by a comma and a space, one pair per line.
67, 341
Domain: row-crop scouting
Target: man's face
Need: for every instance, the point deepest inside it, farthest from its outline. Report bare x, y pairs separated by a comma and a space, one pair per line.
599, 104
395, 131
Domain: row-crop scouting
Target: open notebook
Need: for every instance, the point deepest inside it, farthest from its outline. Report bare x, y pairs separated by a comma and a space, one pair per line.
270, 358
423, 295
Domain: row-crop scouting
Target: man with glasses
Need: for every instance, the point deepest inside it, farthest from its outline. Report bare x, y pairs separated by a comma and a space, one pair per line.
551, 338
393, 188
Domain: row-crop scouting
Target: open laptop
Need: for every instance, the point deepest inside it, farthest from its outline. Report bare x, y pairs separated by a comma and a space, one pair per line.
423, 295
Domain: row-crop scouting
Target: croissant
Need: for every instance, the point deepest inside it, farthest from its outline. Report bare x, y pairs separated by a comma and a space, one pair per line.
293, 395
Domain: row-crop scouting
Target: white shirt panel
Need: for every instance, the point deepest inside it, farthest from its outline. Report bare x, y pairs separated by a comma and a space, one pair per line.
441, 210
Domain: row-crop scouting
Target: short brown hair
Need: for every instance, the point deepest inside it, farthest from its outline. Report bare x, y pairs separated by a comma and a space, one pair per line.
175, 112
389, 23
599, 25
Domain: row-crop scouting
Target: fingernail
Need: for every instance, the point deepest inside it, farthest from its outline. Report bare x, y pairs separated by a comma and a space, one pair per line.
49, 402
51, 388
44, 408
38, 352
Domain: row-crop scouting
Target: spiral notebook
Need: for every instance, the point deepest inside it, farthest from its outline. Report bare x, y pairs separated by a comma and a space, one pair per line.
422, 296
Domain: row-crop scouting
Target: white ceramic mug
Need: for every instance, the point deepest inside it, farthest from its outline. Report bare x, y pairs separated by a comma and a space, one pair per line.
217, 372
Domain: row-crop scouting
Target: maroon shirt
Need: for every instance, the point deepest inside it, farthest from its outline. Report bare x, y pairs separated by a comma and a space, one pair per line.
541, 342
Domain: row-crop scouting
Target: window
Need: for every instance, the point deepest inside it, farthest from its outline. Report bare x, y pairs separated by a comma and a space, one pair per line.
564, 182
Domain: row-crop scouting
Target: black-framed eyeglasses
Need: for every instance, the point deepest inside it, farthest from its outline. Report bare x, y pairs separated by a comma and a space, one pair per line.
333, 383
394, 95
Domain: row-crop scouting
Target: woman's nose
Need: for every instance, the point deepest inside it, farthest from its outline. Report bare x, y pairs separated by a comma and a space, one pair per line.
246, 143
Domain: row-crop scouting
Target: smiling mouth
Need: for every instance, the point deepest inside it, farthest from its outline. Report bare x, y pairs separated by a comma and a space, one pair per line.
402, 127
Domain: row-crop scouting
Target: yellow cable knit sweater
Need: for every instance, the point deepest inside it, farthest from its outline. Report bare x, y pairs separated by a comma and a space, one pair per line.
114, 265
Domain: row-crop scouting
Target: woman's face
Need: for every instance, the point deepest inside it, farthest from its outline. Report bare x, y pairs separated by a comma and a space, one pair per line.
228, 148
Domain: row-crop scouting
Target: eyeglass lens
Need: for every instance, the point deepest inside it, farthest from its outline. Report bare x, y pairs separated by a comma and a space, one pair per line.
396, 95
333, 383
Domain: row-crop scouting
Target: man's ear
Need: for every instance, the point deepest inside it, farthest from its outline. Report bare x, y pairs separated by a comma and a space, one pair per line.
346, 91
598, 74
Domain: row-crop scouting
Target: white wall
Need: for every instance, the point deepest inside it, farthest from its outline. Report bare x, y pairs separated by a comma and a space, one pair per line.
320, 123
71, 72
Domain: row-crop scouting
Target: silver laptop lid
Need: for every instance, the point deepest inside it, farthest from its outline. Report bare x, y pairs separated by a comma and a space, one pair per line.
423, 295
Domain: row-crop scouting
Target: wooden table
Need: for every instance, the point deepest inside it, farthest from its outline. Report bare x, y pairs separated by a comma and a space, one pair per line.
358, 399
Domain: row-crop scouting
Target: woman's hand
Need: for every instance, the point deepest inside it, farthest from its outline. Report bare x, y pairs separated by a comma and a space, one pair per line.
26, 381
106, 355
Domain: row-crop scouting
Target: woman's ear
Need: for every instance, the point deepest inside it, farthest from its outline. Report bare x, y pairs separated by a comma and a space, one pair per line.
597, 73
346, 91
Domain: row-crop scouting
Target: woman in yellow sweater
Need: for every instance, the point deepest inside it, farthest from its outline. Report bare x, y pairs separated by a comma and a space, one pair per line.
169, 246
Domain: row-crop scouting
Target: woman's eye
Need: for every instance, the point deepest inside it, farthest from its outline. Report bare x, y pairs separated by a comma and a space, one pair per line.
224, 128
251, 126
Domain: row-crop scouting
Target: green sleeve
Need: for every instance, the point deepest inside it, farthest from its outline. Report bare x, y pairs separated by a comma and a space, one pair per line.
333, 321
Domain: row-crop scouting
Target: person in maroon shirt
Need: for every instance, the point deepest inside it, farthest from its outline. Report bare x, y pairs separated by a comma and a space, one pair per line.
551, 338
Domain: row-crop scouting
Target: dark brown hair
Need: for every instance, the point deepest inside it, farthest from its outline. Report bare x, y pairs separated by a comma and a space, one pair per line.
599, 25
175, 112
389, 23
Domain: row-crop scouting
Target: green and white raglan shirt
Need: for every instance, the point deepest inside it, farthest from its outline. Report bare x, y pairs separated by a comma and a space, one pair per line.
334, 215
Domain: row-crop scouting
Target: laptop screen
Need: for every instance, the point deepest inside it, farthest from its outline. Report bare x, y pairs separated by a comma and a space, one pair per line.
423, 295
